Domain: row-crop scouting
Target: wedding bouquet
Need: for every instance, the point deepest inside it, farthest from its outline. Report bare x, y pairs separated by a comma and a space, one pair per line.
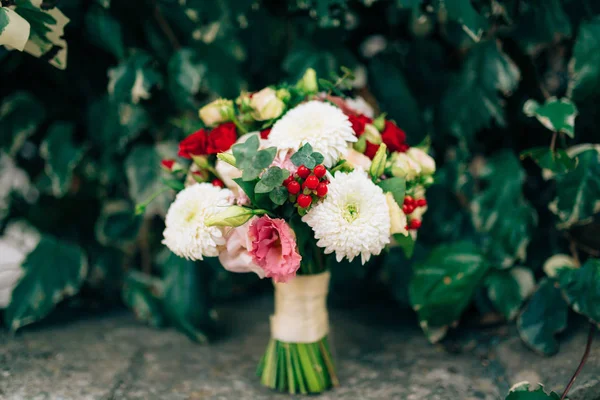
286, 181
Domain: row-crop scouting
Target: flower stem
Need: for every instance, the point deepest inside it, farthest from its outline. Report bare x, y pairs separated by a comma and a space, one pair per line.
586, 354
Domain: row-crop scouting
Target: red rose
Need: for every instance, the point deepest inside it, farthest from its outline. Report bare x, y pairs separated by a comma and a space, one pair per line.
221, 138
358, 123
393, 137
371, 150
264, 134
195, 144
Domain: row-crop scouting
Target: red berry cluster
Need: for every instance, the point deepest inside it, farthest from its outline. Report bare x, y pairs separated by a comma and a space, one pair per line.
307, 184
409, 206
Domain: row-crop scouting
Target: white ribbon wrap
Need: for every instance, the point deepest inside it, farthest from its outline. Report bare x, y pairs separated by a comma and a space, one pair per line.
301, 309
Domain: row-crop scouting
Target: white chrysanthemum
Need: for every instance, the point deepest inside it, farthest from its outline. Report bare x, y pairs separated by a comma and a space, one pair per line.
186, 234
353, 219
323, 125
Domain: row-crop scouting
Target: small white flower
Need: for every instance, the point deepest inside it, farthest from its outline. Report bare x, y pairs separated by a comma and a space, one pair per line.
323, 125
353, 219
361, 106
425, 161
186, 233
405, 167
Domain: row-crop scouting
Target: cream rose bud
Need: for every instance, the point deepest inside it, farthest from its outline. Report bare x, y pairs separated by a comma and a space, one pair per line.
358, 160
397, 217
216, 112
266, 105
426, 162
405, 167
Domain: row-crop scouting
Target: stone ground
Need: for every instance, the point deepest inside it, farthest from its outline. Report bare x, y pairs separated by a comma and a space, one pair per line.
379, 355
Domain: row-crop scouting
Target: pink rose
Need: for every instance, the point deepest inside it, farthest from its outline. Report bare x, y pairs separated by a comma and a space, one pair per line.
235, 257
283, 160
274, 248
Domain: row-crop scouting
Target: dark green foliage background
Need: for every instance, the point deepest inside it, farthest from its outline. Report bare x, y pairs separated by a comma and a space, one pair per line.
91, 138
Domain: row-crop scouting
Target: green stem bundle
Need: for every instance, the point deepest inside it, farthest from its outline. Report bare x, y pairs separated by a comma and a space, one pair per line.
298, 368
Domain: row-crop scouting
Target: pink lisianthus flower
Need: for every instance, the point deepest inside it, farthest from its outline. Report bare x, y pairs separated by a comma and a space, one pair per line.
235, 256
283, 160
274, 248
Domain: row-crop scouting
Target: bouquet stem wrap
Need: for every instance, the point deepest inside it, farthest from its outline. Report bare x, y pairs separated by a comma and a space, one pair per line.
298, 358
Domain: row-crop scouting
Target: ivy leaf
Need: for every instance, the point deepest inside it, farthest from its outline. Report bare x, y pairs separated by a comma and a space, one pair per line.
186, 74
502, 213
581, 288
527, 391
542, 318
61, 156
117, 224
114, 126
558, 161
44, 285
543, 23
443, 285
396, 186
20, 115
47, 30
186, 301
144, 177
472, 100
556, 115
142, 293
463, 13
105, 31
132, 80
508, 289
578, 191
585, 64
14, 29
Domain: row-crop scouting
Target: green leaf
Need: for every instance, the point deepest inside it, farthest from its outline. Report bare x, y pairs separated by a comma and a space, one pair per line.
61, 155
186, 74
558, 161
581, 288
114, 126
463, 13
47, 30
304, 157
54, 270
397, 99
317, 157
544, 317
584, 67
556, 115
578, 191
406, 243
14, 29
543, 23
396, 186
142, 293
527, 391
472, 101
105, 31
117, 224
443, 285
264, 158
502, 213
133, 79
278, 195
274, 176
20, 115
144, 177
186, 301
508, 289
244, 152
